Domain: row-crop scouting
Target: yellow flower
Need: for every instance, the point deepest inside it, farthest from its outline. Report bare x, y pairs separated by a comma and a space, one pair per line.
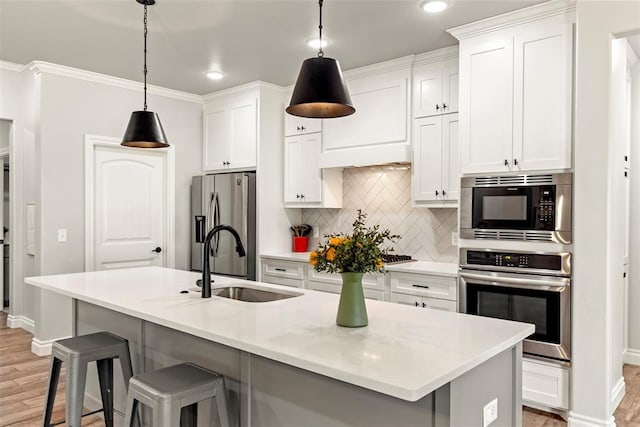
337, 241
313, 258
379, 263
331, 254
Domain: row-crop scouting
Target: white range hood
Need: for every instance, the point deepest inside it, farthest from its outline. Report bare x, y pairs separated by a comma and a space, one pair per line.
369, 155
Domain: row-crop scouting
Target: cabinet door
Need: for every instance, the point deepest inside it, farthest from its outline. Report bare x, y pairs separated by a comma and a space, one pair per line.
216, 138
310, 172
427, 159
381, 114
294, 125
450, 84
244, 134
450, 158
411, 300
543, 71
486, 96
439, 304
427, 90
292, 168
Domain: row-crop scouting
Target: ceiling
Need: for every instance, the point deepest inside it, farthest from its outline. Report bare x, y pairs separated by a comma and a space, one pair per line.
247, 39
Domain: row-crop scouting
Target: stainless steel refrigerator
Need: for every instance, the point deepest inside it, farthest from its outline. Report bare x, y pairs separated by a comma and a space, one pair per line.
230, 199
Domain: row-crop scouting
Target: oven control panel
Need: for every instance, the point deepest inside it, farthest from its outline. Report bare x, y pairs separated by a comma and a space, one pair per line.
514, 260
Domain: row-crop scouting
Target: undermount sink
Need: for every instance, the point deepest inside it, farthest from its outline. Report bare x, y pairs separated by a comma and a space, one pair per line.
241, 293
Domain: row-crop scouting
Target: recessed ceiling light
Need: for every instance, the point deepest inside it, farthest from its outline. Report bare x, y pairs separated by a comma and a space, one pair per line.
215, 75
315, 43
434, 6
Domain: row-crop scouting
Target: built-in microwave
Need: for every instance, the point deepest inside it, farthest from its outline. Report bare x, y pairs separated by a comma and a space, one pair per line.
517, 207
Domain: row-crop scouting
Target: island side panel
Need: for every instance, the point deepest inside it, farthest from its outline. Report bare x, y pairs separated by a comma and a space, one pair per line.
499, 377
282, 395
91, 318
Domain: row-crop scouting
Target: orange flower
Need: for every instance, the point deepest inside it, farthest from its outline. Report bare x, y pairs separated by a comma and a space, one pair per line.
337, 240
379, 263
331, 254
313, 258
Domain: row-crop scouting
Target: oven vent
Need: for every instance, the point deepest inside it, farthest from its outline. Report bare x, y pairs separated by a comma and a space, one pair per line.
539, 179
512, 180
538, 236
489, 180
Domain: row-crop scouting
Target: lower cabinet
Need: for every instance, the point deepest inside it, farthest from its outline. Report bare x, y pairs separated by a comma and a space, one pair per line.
545, 384
423, 302
281, 272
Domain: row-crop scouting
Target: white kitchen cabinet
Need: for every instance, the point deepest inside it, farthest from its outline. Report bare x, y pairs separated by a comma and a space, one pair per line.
230, 131
294, 125
435, 88
436, 163
282, 272
305, 184
516, 91
545, 384
424, 290
373, 285
378, 132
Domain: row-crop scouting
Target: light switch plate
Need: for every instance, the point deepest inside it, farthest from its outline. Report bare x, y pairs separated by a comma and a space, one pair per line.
316, 231
490, 413
454, 238
62, 235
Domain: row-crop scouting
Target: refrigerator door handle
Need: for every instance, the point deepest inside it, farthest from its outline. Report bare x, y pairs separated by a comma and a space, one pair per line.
216, 222
245, 211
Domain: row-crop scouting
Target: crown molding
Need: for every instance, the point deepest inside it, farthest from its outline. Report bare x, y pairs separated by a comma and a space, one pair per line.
38, 67
399, 64
450, 52
257, 85
5, 65
517, 17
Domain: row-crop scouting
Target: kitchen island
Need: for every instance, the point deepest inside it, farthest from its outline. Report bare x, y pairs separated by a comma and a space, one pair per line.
288, 364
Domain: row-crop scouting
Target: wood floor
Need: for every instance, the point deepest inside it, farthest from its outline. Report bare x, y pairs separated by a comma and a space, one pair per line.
23, 379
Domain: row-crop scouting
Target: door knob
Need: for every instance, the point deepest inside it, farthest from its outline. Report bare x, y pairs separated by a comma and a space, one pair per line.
157, 250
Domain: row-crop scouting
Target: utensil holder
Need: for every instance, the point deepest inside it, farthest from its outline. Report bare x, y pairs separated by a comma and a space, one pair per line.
300, 244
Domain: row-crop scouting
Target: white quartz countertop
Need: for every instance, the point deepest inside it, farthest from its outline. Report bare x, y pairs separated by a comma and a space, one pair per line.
404, 352
418, 267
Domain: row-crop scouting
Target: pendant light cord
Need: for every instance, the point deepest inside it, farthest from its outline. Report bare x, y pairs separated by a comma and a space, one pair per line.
145, 56
320, 52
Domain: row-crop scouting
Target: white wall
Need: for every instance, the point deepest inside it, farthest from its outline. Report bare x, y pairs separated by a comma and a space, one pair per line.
633, 338
69, 109
595, 270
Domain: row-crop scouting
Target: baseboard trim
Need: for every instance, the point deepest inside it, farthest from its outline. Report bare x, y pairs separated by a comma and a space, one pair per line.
617, 393
21, 322
631, 356
43, 347
577, 420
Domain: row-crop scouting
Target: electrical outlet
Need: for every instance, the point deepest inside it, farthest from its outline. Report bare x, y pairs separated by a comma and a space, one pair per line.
62, 235
490, 412
316, 231
454, 238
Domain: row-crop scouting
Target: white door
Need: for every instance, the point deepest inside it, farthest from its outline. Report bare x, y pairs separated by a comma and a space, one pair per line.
311, 174
129, 207
450, 157
486, 87
293, 168
427, 90
427, 159
450, 85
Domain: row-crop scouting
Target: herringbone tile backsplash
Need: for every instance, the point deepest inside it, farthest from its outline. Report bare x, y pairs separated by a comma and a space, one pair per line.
384, 194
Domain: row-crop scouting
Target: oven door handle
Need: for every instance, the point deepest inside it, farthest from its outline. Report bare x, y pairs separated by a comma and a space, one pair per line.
556, 285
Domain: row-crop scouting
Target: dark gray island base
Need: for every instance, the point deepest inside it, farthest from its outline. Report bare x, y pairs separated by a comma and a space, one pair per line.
263, 392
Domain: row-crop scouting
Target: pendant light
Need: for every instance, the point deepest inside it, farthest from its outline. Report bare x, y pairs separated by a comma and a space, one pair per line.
144, 129
320, 91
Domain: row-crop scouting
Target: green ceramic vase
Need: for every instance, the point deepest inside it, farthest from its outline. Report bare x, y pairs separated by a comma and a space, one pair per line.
352, 311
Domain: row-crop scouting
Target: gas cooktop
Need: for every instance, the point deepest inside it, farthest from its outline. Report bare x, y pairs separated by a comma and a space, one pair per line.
390, 259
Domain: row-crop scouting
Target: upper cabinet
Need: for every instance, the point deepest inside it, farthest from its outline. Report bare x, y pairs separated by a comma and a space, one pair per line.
231, 130
516, 74
378, 132
435, 88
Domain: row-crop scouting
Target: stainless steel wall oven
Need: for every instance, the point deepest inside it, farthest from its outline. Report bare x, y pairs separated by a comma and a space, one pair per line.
520, 207
531, 287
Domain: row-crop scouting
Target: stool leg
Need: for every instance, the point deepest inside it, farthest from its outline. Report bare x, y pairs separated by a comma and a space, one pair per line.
166, 414
189, 416
76, 379
105, 377
131, 412
125, 365
221, 404
54, 375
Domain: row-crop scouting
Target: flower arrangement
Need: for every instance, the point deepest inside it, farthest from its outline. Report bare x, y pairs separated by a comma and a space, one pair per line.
360, 252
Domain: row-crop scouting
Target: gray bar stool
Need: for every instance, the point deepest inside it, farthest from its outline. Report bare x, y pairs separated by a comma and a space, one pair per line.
173, 394
77, 352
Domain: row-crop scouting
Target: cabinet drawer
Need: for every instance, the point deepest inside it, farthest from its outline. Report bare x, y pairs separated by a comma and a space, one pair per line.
285, 281
335, 288
424, 285
369, 281
545, 384
280, 268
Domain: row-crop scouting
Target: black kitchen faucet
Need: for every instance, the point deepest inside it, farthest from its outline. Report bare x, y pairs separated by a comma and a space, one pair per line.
206, 268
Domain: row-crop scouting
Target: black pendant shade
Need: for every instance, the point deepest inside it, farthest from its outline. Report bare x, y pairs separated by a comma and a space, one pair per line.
320, 91
144, 131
